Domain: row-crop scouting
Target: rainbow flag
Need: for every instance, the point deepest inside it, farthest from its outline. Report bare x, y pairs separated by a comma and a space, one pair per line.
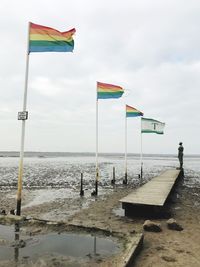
45, 39
132, 112
105, 91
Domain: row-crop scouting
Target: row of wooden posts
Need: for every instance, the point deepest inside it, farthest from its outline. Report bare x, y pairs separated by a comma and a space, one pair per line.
95, 192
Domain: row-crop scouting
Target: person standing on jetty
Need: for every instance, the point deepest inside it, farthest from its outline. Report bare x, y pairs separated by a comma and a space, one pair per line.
180, 154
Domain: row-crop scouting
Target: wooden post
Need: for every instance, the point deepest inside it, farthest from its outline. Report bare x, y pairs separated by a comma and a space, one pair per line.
141, 173
96, 188
81, 191
125, 178
95, 192
113, 179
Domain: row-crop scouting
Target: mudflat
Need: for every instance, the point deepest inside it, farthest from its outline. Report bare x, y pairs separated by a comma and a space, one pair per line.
166, 248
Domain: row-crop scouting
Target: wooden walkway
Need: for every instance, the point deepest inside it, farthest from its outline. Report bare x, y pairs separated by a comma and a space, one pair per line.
153, 193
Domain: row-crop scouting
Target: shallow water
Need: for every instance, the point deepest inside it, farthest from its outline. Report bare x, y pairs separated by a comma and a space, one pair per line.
66, 244
58, 175
65, 171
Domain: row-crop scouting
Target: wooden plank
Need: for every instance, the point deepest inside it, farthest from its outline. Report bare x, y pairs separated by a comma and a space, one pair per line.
154, 192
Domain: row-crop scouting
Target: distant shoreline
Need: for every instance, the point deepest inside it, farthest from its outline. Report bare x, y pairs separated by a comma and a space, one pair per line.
87, 154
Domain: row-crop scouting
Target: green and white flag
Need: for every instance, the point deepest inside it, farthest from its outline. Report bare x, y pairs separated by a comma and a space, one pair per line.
152, 126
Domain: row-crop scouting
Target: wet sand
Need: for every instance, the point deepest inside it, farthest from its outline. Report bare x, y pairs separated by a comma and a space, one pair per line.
167, 248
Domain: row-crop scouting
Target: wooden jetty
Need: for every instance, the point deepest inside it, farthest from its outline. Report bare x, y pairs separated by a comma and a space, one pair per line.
152, 196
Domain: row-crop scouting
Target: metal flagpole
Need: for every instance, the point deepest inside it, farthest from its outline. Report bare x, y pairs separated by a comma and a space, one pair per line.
97, 167
141, 155
125, 178
23, 116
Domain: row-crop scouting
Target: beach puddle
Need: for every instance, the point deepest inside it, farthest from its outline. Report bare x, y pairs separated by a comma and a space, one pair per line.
18, 246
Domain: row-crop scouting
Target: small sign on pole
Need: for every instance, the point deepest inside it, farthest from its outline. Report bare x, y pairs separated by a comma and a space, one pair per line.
22, 115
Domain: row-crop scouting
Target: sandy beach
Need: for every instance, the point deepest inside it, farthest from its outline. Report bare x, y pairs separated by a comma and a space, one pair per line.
99, 97
167, 248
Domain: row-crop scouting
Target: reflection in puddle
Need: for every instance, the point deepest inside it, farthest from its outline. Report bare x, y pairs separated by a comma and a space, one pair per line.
66, 244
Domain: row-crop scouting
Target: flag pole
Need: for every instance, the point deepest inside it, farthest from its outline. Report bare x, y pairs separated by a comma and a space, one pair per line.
97, 167
20, 173
141, 155
125, 178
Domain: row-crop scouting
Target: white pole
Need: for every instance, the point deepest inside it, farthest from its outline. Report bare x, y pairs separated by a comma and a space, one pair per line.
125, 178
141, 156
97, 167
20, 174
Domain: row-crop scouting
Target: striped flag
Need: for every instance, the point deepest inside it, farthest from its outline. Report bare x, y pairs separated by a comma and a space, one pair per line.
46, 39
106, 91
152, 126
132, 112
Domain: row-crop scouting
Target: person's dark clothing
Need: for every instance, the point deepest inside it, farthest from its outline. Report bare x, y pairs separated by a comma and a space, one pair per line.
180, 155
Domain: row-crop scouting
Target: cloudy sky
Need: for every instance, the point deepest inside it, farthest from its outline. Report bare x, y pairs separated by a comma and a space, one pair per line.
151, 48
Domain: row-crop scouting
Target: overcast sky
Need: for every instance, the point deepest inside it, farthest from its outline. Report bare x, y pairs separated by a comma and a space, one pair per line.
149, 47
